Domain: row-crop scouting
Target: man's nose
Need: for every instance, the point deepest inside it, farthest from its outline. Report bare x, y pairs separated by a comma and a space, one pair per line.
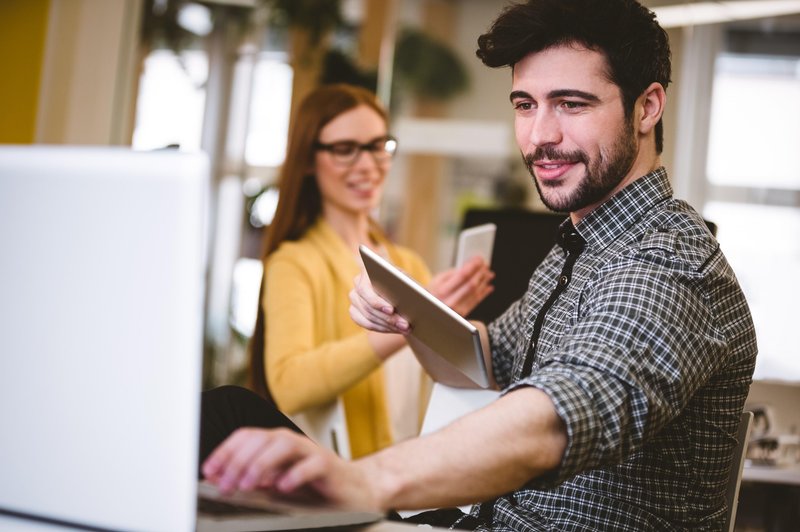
545, 128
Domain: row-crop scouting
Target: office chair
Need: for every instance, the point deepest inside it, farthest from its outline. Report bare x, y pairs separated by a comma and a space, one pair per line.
326, 425
737, 466
711, 226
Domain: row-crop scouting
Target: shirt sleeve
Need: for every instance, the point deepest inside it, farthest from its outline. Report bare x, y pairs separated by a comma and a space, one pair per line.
644, 340
305, 370
504, 335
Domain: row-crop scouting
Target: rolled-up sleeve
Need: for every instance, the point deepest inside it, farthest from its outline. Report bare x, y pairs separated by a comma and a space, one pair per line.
644, 339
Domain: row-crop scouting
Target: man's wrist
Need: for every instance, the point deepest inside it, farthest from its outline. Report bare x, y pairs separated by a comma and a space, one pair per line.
382, 483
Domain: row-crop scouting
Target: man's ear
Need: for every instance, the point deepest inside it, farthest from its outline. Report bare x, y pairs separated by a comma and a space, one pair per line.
650, 106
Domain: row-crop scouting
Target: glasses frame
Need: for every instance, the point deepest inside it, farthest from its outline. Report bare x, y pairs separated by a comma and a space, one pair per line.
379, 154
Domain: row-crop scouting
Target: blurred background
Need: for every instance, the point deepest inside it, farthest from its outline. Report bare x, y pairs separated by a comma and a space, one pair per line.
223, 76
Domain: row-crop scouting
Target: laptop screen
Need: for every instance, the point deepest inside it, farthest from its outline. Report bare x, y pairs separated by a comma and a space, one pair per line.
101, 311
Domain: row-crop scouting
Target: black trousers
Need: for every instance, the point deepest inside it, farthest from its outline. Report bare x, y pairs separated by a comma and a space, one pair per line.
227, 408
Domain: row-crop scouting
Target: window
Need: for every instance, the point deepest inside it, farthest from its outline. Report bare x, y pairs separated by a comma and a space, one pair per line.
754, 195
758, 95
171, 99
269, 111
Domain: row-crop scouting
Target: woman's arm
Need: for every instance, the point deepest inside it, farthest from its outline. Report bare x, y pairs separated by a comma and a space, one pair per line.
313, 351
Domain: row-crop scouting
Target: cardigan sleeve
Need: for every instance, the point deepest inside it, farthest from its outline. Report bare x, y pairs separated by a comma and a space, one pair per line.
411, 263
304, 369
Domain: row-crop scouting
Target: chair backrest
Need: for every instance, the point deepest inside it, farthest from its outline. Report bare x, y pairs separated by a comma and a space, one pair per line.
737, 465
327, 426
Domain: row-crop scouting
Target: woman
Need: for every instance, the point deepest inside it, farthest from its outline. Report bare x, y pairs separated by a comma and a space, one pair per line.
305, 344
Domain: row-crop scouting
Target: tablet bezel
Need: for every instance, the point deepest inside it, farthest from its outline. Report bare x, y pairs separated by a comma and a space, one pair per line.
446, 344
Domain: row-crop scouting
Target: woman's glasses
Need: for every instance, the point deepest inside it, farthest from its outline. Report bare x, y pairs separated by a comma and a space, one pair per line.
346, 152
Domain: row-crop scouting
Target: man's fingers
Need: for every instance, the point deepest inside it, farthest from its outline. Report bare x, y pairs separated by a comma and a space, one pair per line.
248, 445
280, 453
215, 464
370, 311
310, 469
369, 322
252, 458
363, 313
363, 289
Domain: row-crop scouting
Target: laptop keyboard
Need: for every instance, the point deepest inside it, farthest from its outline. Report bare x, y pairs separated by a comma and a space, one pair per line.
212, 507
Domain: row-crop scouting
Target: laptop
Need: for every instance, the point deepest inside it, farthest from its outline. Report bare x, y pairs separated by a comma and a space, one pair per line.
446, 345
102, 281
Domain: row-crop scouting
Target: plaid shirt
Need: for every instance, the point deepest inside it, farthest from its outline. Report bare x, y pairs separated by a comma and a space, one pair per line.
647, 356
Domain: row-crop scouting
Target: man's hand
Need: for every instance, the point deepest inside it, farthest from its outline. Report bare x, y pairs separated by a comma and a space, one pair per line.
255, 458
491, 451
372, 312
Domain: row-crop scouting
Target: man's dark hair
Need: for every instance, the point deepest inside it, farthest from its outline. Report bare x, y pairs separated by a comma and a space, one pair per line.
627, 33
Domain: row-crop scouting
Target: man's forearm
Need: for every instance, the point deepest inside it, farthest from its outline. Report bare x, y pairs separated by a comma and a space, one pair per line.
487, 453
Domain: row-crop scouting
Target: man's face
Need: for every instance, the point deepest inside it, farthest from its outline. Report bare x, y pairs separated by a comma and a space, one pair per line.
571, 128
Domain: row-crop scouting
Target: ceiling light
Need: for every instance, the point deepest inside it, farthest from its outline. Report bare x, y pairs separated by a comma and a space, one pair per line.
195, 18
698, 13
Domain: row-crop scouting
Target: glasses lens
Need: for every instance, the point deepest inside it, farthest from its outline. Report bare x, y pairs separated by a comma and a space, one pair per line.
384, 148
347, 151
344, 152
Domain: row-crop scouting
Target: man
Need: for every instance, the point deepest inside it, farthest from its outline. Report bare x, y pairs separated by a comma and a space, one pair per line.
625, 366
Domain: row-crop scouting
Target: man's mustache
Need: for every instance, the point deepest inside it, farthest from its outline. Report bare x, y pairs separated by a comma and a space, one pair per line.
552, 154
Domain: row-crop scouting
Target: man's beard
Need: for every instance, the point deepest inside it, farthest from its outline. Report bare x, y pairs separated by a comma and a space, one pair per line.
602, 175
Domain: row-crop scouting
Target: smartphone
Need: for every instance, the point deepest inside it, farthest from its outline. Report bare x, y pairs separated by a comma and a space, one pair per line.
478, 240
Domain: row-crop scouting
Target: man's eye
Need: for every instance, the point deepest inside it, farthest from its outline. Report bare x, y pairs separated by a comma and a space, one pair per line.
343, 148
573, 105
523, 106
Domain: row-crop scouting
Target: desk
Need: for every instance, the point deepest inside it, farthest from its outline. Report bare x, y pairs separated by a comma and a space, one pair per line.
789, 475
395, 526
17, 524
769, 498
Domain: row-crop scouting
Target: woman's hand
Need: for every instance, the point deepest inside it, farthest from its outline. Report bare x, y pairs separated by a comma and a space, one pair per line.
463, 288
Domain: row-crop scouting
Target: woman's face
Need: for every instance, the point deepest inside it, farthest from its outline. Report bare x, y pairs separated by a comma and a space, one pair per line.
350, 179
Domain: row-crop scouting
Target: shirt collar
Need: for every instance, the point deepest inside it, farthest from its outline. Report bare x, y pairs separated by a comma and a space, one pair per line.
614, 217
568, 237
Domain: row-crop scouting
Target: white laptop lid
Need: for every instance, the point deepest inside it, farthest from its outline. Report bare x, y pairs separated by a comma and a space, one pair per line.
101, 296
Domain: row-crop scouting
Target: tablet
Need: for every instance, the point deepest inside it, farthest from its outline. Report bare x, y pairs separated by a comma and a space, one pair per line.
446, 344
477, 240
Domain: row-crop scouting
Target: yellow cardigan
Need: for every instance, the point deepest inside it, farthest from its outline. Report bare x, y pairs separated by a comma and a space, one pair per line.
314, 351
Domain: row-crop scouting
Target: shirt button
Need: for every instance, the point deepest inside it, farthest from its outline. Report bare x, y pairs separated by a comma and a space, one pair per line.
563, 280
